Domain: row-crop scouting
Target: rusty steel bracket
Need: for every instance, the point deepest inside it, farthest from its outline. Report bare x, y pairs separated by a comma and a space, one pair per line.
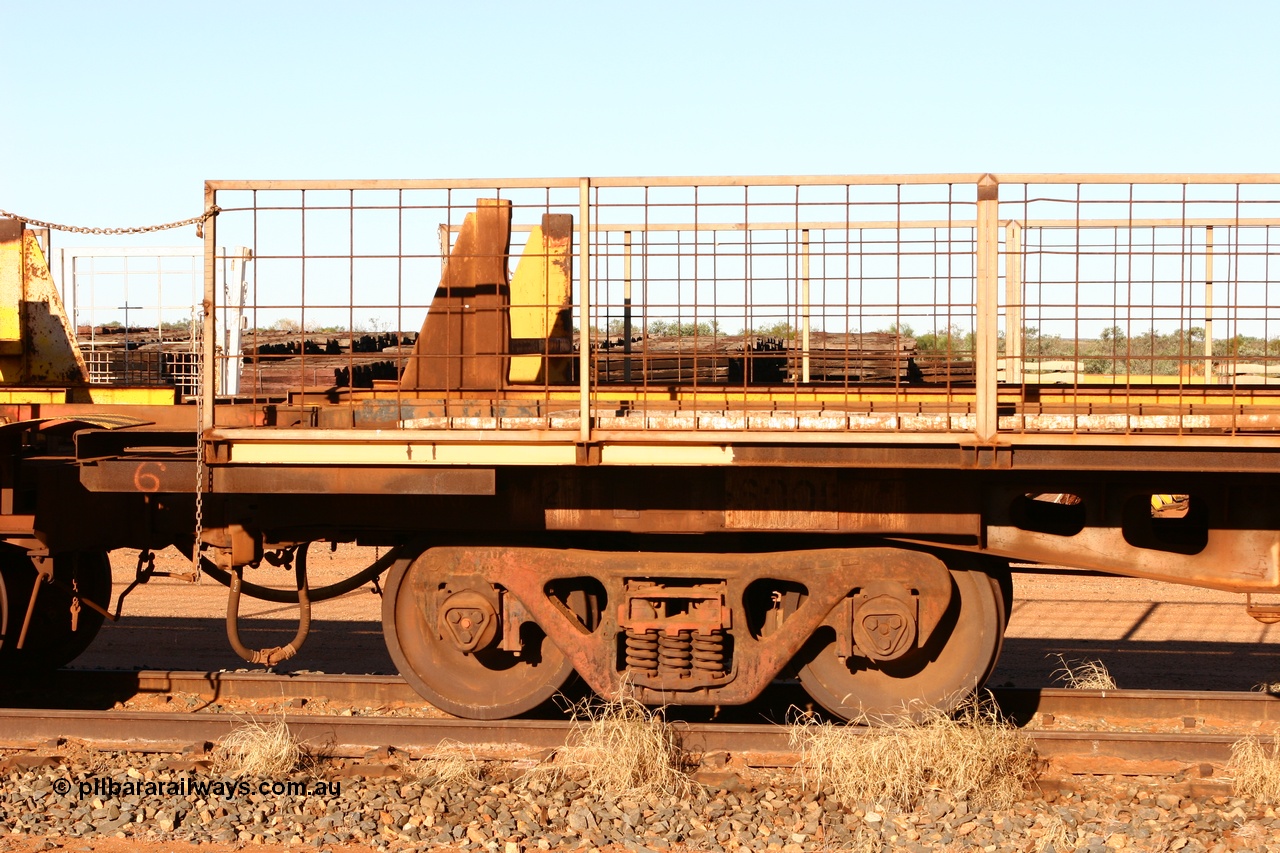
272, 656
707, 610
884, 620
1267, 614
282, 558
234, 545
76, 595
929, 588
143, 572
513, 616
672, 619
44, 574
468, 619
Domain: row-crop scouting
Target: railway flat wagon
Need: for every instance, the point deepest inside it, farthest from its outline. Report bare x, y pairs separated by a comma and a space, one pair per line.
686, 435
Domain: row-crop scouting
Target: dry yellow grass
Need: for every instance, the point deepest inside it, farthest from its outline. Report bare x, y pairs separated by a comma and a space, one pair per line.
620, 748
258, 750
1057, 835
1084, 674
82, 755
450, 763
973, 755
1255, 769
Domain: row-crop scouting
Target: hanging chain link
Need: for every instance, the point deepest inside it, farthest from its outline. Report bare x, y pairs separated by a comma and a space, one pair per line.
197, 338
213, 210
200, 396
197, 221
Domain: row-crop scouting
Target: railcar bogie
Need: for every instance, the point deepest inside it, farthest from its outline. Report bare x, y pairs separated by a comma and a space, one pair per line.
490, 631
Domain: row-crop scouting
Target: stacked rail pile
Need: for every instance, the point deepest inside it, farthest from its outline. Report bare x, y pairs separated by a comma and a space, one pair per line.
276, 363
943, 368
687, 359
853, 357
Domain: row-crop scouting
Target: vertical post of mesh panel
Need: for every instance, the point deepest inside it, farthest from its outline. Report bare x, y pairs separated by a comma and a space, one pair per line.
584, 284
988, 246
208, 344
804, 305
1208, 304
1013, 303
626, 306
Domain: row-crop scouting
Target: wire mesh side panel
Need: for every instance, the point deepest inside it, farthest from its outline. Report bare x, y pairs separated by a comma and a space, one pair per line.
778, 305
822, 304
818, 305
1141, 306
184, 370
132, 309
338, 292
99, 364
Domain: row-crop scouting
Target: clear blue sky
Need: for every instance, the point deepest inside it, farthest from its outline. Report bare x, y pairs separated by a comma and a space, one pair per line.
128, 107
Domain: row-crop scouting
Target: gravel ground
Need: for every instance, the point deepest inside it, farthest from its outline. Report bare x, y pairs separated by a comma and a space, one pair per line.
381, 807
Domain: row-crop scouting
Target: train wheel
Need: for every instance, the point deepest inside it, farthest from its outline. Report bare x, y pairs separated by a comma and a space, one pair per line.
443, 633
957, 658
50, 641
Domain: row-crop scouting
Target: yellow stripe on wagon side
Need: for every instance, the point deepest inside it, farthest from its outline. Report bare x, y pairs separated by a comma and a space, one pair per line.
398, 453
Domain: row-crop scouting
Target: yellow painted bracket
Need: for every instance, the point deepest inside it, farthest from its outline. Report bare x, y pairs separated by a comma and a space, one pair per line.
37, 344
11, 288
541, 324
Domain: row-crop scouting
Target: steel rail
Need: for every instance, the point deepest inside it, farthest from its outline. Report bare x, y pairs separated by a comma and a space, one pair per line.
755, 745
1019, 703
1072, 750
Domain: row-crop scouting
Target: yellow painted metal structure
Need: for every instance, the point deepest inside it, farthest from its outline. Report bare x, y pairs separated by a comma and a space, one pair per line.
541, 304
40, 360
103, 395
37, 343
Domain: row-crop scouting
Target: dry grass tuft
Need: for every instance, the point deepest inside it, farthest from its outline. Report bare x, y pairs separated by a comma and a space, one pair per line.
1084, 674
263, 751
974, 755
623, 749
1057, 835
450, 763
1251, 835
1256, 769
81, 755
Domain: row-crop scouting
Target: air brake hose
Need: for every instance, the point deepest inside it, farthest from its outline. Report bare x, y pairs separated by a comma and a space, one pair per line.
324, 593
273, 656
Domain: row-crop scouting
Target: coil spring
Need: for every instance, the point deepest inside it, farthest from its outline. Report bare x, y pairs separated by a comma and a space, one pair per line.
708, 652
675, 652
642, 651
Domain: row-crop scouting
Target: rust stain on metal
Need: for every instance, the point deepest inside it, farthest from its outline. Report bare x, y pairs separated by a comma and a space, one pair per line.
465, 335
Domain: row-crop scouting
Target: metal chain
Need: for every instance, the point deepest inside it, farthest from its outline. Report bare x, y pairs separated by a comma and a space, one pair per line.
198, 221
197, 338
213, 210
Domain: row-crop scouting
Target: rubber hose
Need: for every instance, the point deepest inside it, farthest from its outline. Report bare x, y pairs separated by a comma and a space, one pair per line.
290, 596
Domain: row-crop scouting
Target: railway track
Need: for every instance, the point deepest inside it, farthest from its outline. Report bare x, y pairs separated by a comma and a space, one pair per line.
1077, 731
